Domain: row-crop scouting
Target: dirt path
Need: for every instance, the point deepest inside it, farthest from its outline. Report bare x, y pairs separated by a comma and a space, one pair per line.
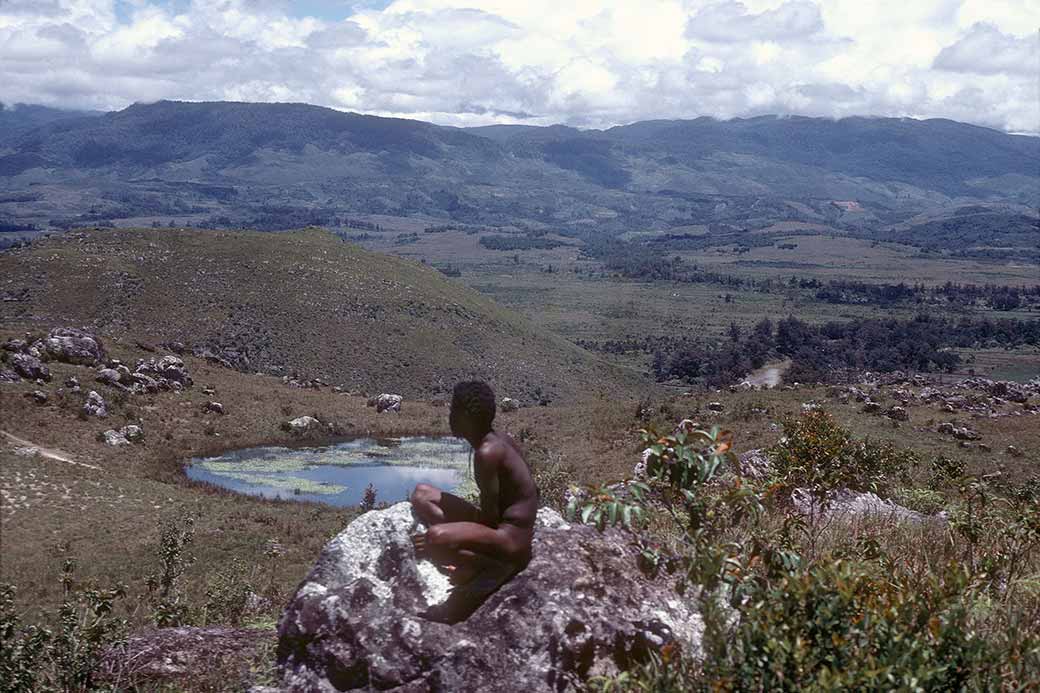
24, 447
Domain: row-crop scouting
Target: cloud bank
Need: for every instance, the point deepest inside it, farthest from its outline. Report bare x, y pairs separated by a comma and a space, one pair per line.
583, 63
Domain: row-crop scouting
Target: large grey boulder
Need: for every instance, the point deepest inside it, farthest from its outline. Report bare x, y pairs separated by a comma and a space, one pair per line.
849, 504
581, 608
388, 402
301, 424
95, 405
30, 367
165, 373
69, 345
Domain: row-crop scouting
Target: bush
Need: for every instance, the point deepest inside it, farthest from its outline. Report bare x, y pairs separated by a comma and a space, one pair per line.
842, 627
170, 607
818, 454
35, 658
553, 482
229, 595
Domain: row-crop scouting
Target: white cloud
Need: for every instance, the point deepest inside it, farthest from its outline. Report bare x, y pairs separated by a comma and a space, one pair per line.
581, 62
988, 51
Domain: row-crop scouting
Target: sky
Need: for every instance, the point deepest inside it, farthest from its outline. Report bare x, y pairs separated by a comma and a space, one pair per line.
538, 62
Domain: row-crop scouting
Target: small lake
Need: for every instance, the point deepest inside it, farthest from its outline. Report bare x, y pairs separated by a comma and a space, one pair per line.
338, 474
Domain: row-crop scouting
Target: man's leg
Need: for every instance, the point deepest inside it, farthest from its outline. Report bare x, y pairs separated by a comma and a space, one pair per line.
506, 542
435, 507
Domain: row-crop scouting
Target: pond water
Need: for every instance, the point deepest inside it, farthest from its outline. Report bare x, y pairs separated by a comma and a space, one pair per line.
338, 474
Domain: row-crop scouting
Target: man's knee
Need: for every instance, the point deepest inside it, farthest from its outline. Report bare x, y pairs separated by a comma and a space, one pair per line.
424, 493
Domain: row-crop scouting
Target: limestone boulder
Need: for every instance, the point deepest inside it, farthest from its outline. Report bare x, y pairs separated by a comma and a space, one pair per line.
30, 367
95, 405
70, 345
369, 616
387, 402
301, 424
113, 438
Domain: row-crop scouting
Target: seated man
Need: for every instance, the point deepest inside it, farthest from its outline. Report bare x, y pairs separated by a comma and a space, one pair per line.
494, 540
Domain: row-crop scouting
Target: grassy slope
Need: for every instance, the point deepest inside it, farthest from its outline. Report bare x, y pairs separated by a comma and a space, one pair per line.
302, 301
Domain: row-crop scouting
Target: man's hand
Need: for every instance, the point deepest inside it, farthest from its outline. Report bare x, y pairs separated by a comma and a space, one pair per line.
421, 543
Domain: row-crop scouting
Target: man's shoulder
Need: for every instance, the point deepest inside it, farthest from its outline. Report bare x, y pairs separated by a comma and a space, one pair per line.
492, 448
495, 448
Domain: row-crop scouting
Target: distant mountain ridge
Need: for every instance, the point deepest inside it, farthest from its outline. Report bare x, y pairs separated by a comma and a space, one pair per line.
134, 163
20, 117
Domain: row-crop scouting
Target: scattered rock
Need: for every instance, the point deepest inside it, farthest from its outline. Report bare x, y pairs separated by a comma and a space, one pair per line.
301, 424
182, 653
175, 347
845, 502
715, 406
143, 383
16, 345
508, 404
113, 438
946, 428
30, 367
8, 376
166, 373
132, 433
172, 368
755, 464
125, 376
898, 413
108, 376
871, 407
1013, 451
578, 610
223, 356
95, 405
72, 383
387, 402
641, 468
965, 433
214, 408
70, 345
38, 396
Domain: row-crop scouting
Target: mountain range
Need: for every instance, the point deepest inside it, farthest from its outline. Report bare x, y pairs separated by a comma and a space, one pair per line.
285, 165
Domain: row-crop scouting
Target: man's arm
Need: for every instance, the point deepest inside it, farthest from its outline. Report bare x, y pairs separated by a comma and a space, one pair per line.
485, 468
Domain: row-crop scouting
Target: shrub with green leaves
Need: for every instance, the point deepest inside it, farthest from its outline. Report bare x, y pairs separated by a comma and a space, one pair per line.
818, 454
35, 659
170, 607
608, 507
842, 626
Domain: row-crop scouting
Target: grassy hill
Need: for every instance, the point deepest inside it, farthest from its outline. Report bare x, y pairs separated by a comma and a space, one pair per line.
300, 303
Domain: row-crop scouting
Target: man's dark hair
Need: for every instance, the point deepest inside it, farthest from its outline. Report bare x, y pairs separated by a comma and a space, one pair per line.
476, 400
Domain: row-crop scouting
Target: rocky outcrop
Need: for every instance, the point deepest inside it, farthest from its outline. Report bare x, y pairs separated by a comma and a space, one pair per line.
30, 367
361, 620
176, 654
224, 356
848, 503
95, 405
113, 438
108, 376
69, 345
301, 424
386, 402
